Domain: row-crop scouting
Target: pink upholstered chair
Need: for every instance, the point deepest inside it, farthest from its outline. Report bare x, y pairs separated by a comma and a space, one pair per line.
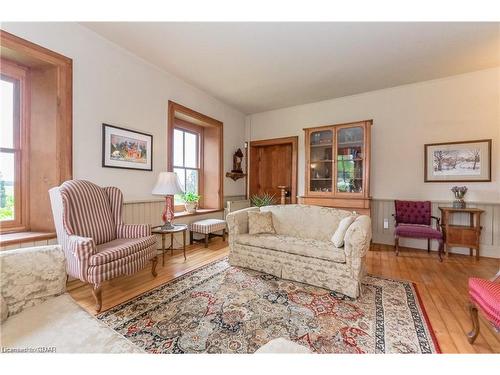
97, 244
413, 220
485, 296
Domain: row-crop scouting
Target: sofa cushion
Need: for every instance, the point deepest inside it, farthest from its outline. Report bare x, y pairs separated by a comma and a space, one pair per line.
300, 246
305, 221
60, 323
260, 222
338, 236
120, 248
31, 275
4, 308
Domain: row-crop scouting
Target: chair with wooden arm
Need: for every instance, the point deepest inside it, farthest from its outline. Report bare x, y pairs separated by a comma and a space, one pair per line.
414, 220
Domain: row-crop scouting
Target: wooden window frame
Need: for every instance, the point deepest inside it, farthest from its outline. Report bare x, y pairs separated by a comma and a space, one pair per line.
212, 197
187, 127
36, 59
20, 76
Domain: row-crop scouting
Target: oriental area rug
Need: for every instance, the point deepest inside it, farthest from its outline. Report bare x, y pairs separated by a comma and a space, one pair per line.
222, 309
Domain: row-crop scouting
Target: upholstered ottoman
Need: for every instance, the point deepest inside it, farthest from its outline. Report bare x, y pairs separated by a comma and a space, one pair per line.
208, 228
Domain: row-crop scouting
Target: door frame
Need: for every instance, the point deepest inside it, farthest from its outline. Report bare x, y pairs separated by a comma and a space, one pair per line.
294, 142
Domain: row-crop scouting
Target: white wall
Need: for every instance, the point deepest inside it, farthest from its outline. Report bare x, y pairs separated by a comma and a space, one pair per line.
110, 85
463, 107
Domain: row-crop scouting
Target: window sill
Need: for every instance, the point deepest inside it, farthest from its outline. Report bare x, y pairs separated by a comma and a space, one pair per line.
22, 237
200, 211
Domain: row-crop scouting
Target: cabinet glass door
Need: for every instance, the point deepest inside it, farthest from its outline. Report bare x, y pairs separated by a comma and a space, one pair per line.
321, 161
350, 156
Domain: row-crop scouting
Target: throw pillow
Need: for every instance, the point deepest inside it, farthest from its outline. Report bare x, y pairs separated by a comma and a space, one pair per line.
5, 309
338, 236
260, 222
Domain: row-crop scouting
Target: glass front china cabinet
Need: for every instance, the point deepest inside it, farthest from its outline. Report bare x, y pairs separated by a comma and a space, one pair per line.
338, 166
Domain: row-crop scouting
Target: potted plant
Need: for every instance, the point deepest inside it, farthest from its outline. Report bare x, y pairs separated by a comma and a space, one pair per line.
190, 201
262, 200
459, 192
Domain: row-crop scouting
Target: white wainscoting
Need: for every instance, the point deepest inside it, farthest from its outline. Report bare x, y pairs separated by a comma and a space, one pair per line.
490, 221
143, 212
149, 212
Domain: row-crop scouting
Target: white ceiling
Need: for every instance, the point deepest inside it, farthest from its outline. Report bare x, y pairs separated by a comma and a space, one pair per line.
262, 66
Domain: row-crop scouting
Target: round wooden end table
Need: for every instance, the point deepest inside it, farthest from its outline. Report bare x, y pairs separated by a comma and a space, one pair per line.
177, 228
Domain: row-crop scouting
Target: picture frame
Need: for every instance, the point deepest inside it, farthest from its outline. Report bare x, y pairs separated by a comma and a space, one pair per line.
464, 161
126, 148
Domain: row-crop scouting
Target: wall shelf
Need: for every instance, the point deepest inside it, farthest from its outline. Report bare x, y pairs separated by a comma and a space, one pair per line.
235, 175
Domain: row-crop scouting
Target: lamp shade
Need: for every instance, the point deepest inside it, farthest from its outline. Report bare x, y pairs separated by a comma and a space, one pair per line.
167, 184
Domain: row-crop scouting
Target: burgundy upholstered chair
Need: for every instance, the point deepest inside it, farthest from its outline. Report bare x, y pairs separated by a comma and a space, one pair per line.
485, 296
97, 244
413, 220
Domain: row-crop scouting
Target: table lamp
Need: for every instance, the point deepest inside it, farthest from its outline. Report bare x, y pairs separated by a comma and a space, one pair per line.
167, 185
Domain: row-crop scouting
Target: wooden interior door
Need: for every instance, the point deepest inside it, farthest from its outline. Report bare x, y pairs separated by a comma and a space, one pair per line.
273, 163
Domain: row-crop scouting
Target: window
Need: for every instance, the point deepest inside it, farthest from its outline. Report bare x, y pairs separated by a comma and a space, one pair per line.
12, 146
187, 160
195, 153
35, 104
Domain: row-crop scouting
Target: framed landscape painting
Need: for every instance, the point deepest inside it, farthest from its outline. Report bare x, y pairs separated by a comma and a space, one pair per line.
128, 149
467, 161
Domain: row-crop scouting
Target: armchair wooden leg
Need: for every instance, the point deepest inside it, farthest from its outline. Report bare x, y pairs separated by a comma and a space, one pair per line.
223, 235
428, 245
97, 293
396, 245
153, 267
206, 240
472, 335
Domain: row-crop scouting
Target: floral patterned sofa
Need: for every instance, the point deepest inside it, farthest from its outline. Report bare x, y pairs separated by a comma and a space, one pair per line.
302, 250
37, 314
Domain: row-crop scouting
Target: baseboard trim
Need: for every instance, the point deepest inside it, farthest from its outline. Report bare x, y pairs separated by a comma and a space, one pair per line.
486, 251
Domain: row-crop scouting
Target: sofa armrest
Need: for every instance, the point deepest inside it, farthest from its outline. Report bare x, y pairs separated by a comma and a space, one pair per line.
29, 276
237, 222
358, 237
133, 230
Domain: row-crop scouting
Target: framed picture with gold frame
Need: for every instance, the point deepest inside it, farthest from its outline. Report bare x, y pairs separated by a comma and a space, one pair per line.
466, 161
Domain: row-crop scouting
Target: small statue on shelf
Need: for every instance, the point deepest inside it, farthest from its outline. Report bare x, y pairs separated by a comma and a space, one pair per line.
237, 160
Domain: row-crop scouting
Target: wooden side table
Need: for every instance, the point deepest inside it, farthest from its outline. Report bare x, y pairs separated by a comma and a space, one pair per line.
164, 232
461, 235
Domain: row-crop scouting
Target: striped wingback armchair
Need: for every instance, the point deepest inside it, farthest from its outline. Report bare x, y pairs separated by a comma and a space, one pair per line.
97, 244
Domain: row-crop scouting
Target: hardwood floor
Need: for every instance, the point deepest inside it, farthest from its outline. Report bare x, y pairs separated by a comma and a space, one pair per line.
442, 287
124, 288
444, 292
